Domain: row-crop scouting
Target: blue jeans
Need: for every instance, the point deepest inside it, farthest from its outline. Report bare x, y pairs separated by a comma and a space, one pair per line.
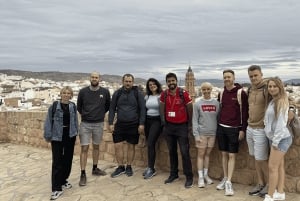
284, 144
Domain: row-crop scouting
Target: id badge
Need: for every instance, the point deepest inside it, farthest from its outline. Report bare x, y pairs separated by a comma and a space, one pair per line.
171, 114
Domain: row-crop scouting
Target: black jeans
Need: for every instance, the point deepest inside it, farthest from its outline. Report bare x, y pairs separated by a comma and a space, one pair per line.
152, 132
62, 156
178, 133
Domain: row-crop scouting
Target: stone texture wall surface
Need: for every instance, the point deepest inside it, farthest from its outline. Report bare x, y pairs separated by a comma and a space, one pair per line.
27, 128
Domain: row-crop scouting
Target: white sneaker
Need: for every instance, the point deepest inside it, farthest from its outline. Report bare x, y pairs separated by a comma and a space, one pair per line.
228, 189
67, 185
268, 198
221, 185
208, 180
201, 183
55, 194
278, 196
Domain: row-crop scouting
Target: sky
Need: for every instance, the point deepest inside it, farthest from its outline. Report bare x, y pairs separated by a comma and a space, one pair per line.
150, 38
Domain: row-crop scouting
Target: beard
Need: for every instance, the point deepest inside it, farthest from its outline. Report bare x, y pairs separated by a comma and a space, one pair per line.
172, 86
94, 84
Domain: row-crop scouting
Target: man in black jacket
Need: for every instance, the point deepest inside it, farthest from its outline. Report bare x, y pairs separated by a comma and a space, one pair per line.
129, 105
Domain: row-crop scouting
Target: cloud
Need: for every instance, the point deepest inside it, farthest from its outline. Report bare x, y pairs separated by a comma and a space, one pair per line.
150, 38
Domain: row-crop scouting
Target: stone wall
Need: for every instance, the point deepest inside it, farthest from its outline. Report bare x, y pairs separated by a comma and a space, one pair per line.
27, 128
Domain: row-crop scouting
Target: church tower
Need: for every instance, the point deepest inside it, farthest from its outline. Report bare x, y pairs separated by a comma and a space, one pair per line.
190, 83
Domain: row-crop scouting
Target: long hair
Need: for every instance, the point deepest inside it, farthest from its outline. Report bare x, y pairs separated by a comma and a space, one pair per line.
159, 89
281, 102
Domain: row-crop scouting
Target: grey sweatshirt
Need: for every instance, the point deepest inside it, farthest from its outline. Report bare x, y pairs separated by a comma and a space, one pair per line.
205, 113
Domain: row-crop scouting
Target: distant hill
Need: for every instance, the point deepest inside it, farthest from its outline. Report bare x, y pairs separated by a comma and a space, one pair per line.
293, 82
65, 76
73, 76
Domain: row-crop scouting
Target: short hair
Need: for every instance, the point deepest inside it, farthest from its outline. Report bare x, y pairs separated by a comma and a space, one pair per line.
254, 67
169, 75
67, 88
95, 73
206, 84
228, 71
159, 88
127, 75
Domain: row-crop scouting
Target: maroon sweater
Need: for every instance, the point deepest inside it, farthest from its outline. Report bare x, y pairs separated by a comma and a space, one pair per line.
230, 114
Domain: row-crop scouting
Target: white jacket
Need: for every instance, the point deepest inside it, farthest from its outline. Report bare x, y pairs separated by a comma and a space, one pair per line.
276, 129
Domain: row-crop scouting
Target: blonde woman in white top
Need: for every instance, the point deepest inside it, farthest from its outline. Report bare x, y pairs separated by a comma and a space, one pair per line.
280, 139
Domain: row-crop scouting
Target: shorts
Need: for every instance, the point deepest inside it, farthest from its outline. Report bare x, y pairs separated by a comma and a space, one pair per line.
228, 139
284, 144
88, 130
206, 141
258, 143
126, 131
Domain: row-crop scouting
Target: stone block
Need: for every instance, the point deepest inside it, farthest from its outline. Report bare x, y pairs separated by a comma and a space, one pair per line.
110, 148
107, 137
102, 146
292, 168
243, 177
293, 153
109, 157
290, 184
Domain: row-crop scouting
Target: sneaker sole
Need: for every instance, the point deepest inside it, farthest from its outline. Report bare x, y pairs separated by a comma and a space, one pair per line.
81, 184
150, 176
201, 186
114, 176
189, 186
171, 181
254, 194
54, 198
229, 194
218, 188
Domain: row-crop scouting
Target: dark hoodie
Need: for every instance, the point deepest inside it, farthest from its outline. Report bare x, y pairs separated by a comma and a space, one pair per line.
230, 114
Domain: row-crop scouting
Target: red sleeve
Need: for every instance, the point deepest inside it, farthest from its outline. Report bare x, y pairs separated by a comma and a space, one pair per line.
162, 97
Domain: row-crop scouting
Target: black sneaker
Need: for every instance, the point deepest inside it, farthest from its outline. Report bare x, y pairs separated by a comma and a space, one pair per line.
120, 170
189, 183
256, 189
98, 172
171, 179
149, 173
82, 181
144, 173
264, 191
128, 171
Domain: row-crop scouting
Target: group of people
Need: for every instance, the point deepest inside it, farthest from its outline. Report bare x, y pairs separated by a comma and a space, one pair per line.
262, 112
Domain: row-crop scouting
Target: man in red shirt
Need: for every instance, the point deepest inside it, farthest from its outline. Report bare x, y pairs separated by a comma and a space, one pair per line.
177, 110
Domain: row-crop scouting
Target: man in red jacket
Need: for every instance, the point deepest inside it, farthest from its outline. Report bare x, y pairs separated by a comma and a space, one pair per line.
232, 126
177, 109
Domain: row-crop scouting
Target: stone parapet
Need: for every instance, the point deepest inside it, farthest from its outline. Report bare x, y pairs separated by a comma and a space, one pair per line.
26, 128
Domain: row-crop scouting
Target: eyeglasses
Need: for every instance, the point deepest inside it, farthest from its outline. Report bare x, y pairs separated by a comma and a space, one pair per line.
150, 85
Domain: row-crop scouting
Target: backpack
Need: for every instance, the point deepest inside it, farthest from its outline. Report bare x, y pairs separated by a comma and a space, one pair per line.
239, 99
54, 106
180, 95
135, 90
